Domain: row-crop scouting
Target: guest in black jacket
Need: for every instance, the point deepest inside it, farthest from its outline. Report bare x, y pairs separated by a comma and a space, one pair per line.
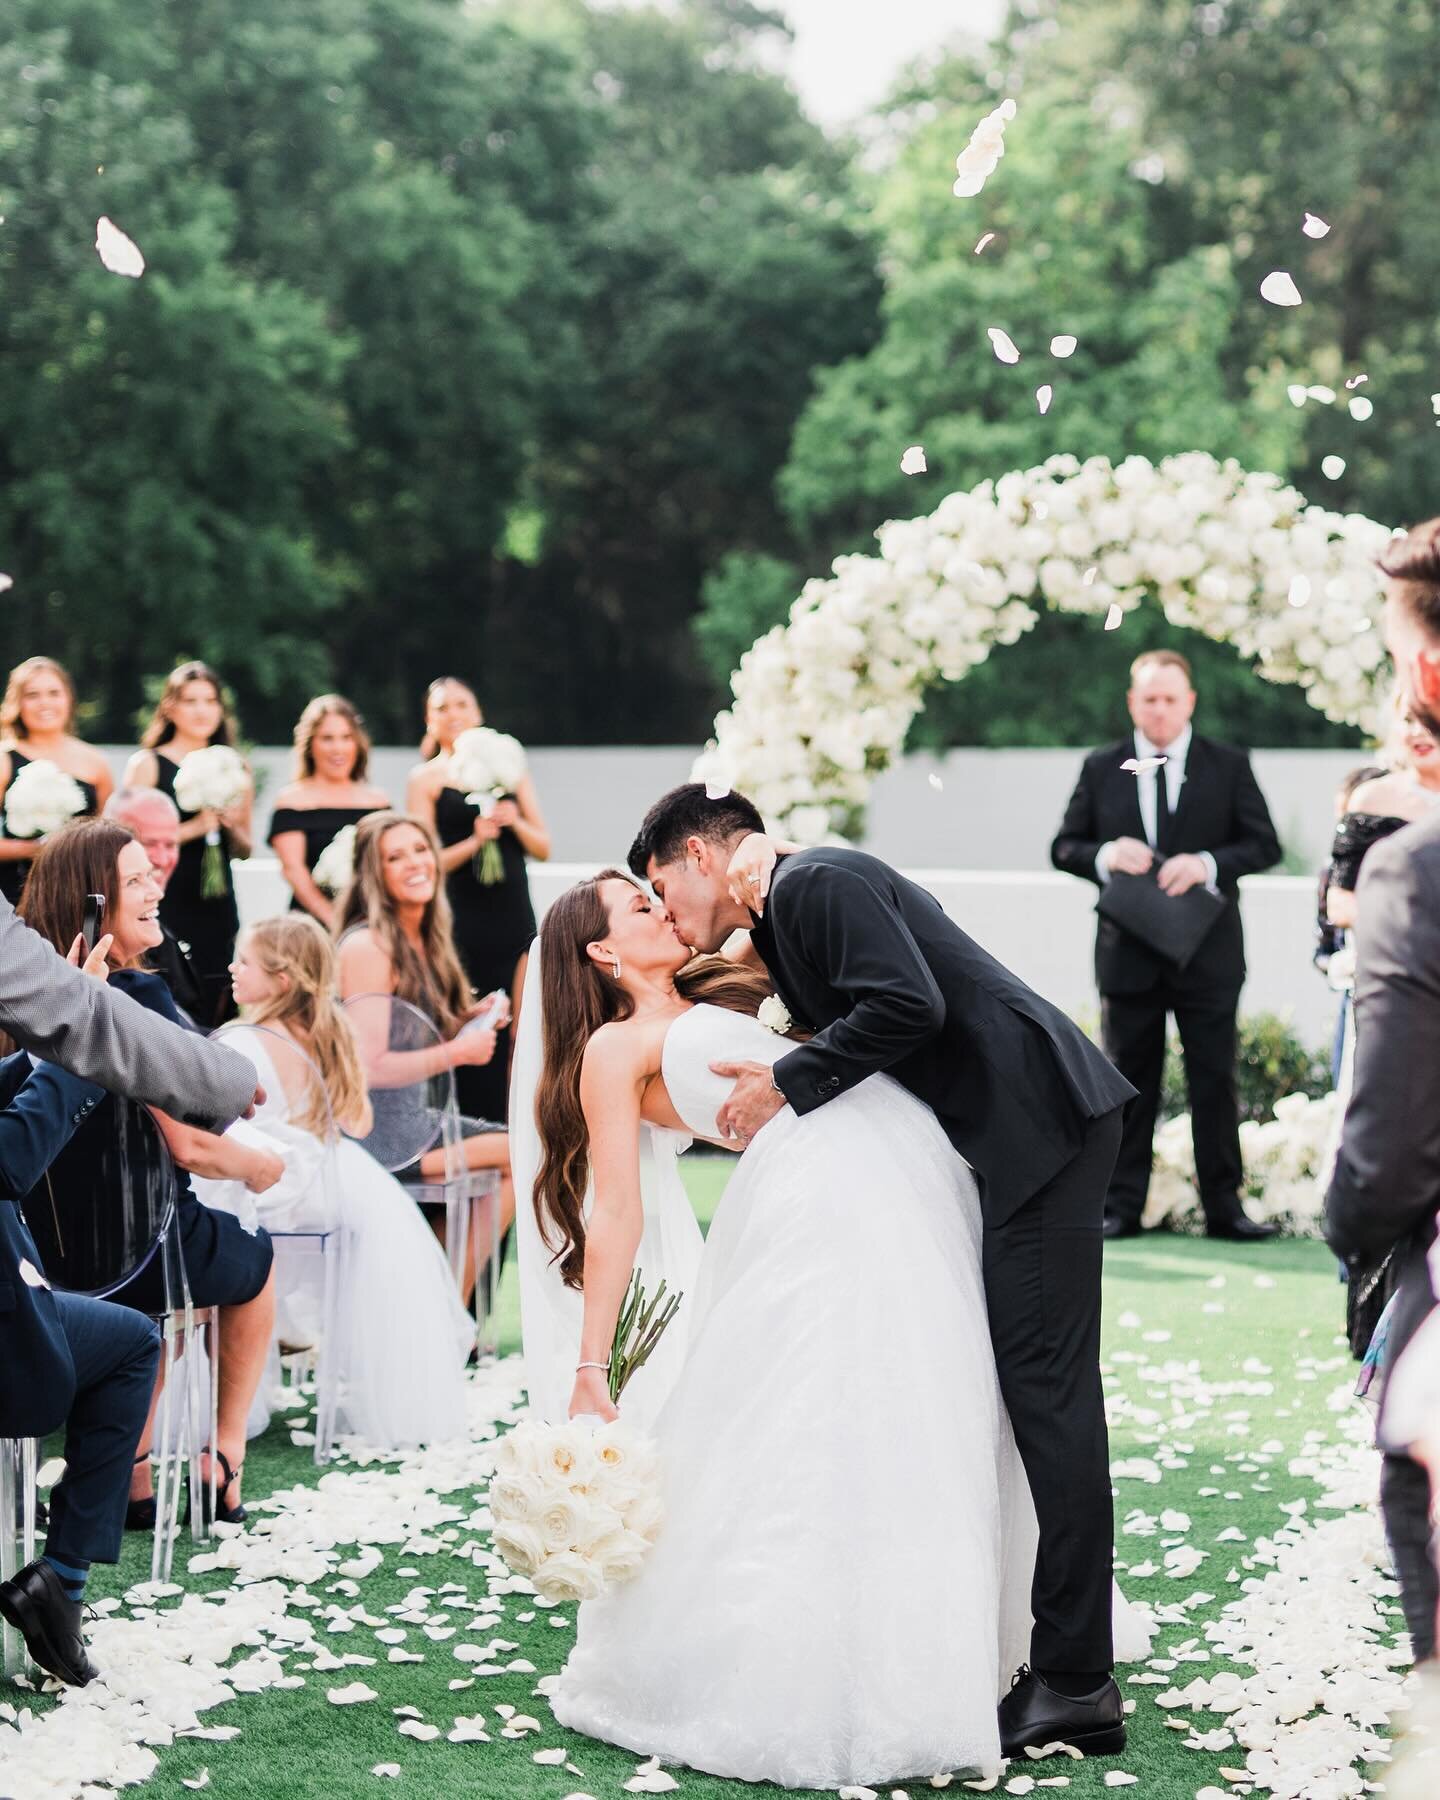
1200, 816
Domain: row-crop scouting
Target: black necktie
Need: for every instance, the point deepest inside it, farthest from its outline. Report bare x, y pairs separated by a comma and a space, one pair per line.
1162, 810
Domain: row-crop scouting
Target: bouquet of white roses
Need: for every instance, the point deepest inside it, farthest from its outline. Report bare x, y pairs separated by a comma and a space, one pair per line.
212, 780
486, 765
576, 1506
335, 865
41, 799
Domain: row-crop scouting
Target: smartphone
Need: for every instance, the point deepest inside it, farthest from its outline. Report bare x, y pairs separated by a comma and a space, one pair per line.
485, 1019
94, 918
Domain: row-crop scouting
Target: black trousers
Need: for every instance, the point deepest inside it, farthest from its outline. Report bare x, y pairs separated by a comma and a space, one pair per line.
1042, 1291
1405, 1505
115, 1352
1133, 1031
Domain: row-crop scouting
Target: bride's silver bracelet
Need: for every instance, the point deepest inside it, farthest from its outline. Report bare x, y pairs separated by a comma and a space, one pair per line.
590, 1365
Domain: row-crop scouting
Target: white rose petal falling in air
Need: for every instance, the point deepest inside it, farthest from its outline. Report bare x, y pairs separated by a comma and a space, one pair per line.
1063, 345
1137, 765
1361, 408
988, 238
1043, 396
717, 788
1333, 467
1315, 227
977, 161
936, 783
1115, 618
1279, 289
1354, 381
6, 583
1004, 348
1298, 393
120, 254
1299, 594
913, 461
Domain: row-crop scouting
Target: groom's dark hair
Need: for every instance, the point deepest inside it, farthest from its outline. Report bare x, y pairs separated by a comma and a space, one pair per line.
685, 812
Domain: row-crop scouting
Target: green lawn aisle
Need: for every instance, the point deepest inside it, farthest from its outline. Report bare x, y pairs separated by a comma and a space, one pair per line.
1232, 1321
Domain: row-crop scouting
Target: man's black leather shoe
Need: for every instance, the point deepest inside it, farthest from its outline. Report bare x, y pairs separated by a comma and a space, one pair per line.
38, 1607
1241, 1230
1114, 1227
1032, 1713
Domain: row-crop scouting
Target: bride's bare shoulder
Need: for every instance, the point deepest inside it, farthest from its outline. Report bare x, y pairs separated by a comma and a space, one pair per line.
624, 1048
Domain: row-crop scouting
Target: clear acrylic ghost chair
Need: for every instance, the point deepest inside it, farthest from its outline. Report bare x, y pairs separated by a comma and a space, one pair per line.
110, 1212
18, 1459
412, 1093
303, 1211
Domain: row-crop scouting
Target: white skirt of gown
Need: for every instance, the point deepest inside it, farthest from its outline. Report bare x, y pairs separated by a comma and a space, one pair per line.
841, 1587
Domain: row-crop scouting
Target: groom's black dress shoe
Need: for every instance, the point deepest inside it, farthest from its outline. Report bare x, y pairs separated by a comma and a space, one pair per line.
49, 1621
1241, 1230
1116, 1227
1032, 1713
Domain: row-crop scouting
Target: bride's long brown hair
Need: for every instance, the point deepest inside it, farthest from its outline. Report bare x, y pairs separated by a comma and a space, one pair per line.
578, 997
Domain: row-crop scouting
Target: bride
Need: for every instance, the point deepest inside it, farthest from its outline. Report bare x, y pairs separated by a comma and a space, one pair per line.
845, 1565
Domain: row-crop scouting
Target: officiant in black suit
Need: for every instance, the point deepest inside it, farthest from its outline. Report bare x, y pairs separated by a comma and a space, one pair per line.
1196, 819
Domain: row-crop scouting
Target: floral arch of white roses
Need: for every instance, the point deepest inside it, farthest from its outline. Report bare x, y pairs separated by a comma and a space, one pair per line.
823, 703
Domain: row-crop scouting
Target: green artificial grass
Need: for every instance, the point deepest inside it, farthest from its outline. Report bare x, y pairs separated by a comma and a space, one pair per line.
295, 1743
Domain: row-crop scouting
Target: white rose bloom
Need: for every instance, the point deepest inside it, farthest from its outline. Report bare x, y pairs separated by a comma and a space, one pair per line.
619, 1556
520, 1545
568, 1579
521, 1496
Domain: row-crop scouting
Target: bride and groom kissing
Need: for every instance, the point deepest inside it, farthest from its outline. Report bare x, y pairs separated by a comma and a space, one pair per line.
882, 1424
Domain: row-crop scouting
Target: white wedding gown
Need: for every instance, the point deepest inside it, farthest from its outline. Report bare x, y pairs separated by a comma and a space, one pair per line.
404, 1334
841, 1587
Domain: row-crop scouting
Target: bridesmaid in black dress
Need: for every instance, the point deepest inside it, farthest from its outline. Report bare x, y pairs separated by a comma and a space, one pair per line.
194, 712
494, 925
329, 792
35, 719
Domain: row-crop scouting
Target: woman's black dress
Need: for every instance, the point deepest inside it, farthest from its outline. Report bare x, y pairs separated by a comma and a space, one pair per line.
494, 927
13, 874
319, 826
209, 927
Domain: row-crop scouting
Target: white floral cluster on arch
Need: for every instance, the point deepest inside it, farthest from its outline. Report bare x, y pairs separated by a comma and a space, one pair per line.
822, 704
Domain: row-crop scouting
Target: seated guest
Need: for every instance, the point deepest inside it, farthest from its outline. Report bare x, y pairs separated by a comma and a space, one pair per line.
227, 1266
155, 820
109, 1356
329, 793
403, 1335
395, 938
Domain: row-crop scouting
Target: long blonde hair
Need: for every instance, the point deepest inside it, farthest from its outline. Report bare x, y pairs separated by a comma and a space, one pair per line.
430, 978
578, 998
295, 952
11, 723
314, 716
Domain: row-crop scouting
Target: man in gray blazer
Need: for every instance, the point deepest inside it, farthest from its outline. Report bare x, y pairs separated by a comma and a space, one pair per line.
1385, 1191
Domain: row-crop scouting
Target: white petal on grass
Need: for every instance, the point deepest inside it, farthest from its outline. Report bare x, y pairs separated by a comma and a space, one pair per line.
1118, 1778
352, 1695
1043, 396
913, 461
988, 238
656, 1782
120, 254
1315, 227
1279, 289
1361, 408
1115, 618
1063, 345
1333, 467
1002, 345
202, 1780
549, 1758
1299, 594
390, 1770
419, 1730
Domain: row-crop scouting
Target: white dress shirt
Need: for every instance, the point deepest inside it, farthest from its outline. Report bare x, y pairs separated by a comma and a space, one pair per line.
1173, 771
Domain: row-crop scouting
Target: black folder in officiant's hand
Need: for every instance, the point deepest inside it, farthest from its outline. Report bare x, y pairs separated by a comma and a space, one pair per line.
1172, 925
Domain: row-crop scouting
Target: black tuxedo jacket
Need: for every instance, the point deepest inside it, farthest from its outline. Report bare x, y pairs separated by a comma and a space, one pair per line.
871, 962
1221, 809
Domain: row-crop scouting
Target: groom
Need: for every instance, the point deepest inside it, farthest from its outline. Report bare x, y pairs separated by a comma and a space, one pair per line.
871, 963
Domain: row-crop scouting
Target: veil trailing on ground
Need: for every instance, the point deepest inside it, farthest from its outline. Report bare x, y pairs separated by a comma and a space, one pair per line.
550, 1313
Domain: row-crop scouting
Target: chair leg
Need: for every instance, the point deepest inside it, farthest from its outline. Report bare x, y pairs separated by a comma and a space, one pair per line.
18, 1467
328, 1361
167, 1463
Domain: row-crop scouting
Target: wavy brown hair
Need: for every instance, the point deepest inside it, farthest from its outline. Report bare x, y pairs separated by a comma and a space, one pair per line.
161, 728
294, 946
310, 721
434, 981
81, 858
578, 997
11, 723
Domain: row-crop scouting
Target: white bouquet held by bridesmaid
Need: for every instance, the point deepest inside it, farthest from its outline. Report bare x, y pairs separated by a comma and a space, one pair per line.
576, 1506
41, 799
335, 865
211, 780
487, 765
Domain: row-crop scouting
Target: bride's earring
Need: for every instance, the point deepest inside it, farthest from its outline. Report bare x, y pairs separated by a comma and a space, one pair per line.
615, 965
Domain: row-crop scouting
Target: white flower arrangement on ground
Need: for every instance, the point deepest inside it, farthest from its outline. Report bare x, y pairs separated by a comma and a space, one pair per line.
41, 799
1284, 1159
212, 779
335, 865
486, 765
823, 703
576, 1506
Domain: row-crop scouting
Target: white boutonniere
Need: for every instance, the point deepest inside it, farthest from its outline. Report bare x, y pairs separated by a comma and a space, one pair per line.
774, 1015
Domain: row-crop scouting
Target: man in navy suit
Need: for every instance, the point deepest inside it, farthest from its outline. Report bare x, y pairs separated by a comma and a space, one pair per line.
1194, 812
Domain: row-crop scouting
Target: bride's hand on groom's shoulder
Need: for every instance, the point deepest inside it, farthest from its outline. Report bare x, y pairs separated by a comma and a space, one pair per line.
747, 879
591, 1395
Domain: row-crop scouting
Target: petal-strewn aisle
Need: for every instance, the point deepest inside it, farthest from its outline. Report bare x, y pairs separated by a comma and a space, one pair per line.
361, 1630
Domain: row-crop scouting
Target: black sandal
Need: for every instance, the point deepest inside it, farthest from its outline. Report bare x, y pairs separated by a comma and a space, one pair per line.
225, 1515
140, 1514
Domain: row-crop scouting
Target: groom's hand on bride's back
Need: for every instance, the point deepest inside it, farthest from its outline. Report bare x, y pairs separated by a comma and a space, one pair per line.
753, 1102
